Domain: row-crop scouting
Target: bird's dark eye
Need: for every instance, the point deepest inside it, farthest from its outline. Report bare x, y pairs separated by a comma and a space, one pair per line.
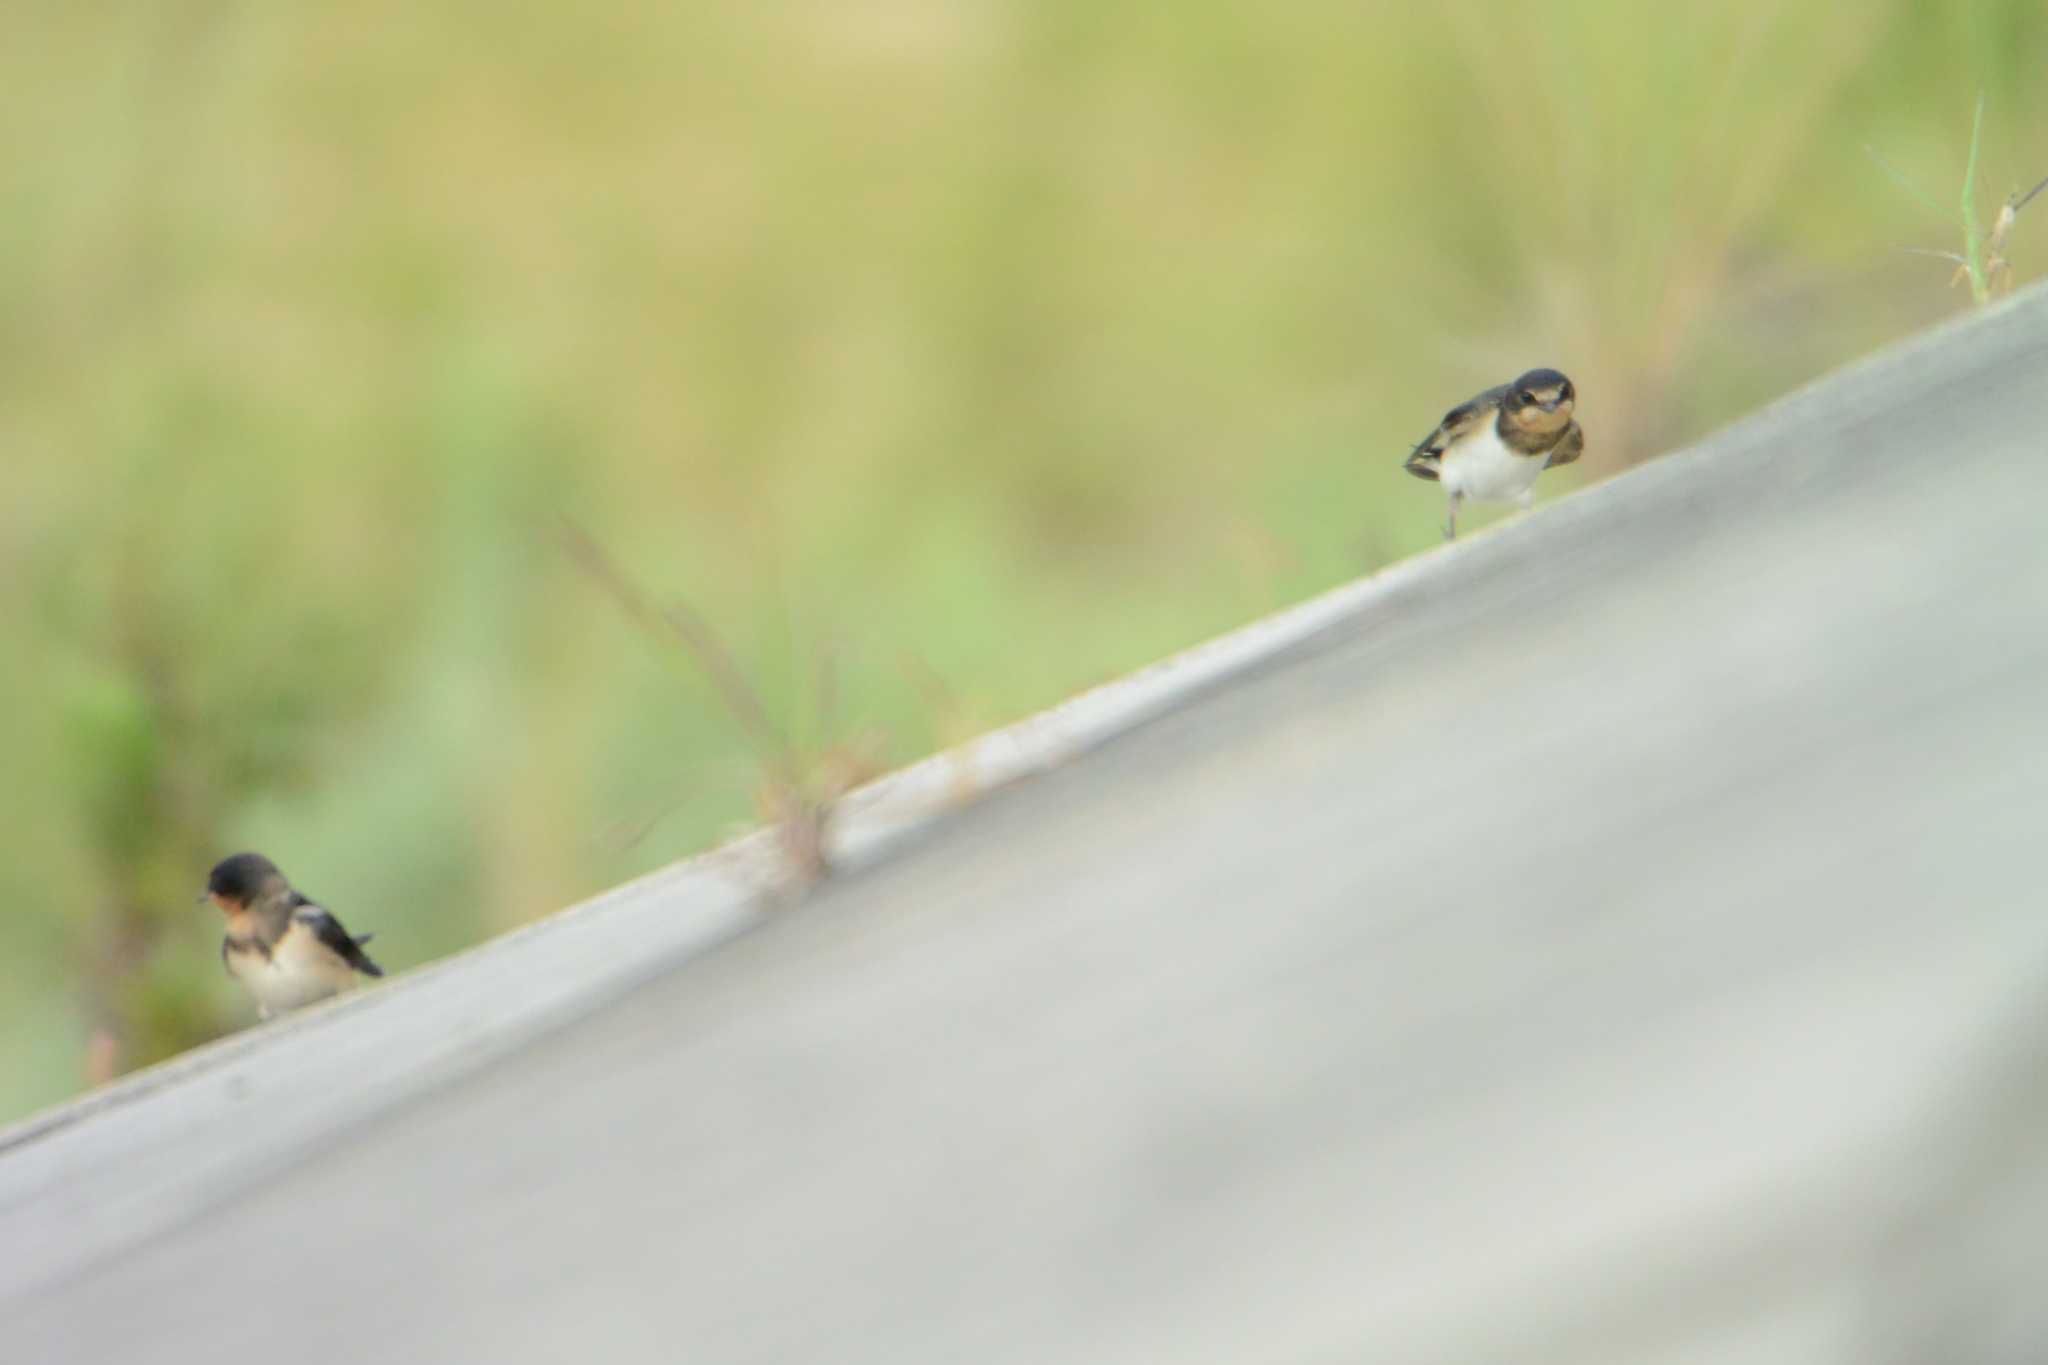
1526, 399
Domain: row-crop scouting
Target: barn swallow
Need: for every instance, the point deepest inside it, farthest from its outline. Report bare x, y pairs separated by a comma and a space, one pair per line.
1492, 447
288, 951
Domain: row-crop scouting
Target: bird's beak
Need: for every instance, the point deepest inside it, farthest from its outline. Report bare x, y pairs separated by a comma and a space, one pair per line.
1552, 405
202, 898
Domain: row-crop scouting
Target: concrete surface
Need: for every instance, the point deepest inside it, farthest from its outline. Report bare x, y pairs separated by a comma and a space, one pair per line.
1616, 938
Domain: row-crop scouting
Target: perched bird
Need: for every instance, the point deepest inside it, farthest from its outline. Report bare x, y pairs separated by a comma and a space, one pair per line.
1492, 447
285, 949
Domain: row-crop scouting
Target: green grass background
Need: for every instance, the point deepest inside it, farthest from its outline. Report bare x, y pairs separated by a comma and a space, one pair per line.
978, 350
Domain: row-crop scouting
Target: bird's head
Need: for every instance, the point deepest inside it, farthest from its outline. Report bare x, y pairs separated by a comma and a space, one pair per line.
237, 881
1541, 401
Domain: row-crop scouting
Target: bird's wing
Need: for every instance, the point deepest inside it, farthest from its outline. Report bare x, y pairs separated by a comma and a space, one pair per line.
1568, 448
328, 930
1425, 461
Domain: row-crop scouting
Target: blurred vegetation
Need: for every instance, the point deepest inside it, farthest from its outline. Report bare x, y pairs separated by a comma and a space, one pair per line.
984, 349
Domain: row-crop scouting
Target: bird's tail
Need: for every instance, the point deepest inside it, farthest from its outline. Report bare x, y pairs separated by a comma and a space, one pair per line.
1424, 463
363, 963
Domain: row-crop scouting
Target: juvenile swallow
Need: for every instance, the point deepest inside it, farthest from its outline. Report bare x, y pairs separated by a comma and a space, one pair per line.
288, 951
1492, 447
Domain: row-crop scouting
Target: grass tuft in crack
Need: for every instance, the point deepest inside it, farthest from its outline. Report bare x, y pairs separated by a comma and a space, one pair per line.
1982, 260
798, 790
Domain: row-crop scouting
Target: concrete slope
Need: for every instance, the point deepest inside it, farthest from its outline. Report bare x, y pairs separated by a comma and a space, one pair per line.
1615, 938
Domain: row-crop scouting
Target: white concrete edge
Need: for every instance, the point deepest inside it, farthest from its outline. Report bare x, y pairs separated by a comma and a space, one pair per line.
869, 820
488, 1000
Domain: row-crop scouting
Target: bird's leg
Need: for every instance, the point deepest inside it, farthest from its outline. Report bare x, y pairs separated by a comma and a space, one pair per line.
1451, 517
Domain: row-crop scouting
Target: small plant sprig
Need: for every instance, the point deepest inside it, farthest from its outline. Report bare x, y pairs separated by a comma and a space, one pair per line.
797, 791
1982, 260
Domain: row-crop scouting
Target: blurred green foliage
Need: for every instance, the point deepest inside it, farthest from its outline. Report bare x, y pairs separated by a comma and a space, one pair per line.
983, 349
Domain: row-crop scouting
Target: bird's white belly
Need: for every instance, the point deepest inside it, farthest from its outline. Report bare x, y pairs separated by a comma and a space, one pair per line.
1481, 467
294, 976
